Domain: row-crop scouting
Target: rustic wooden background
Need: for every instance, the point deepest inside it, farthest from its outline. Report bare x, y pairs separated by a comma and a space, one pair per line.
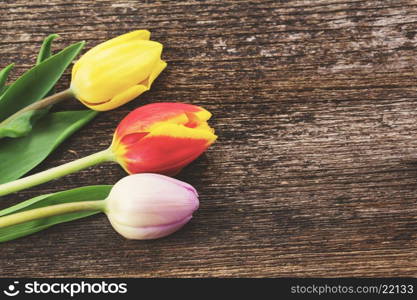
315, 171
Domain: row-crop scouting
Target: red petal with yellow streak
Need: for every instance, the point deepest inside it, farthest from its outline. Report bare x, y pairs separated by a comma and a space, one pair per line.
167, 149
144, 118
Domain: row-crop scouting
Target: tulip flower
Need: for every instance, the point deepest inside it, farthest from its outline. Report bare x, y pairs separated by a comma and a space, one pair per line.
111, 74
162, 138
156, 138
139, 207
117, 71
148, 206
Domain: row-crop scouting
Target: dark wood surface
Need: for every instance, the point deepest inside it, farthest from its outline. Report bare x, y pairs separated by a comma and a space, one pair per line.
315, 170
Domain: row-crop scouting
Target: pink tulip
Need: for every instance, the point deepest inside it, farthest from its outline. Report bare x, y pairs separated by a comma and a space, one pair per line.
149, 206
141, 207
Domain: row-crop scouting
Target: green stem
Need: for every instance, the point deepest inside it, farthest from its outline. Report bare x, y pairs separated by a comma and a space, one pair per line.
55, 98
49, 211
45, 176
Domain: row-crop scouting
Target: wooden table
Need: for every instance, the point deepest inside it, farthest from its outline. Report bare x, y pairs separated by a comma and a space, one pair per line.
315, 170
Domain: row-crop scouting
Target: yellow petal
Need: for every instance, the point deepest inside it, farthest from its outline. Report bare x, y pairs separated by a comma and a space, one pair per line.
130, 36
113, 70
158, 68
120, 99
131, 93
180, 131
203, 115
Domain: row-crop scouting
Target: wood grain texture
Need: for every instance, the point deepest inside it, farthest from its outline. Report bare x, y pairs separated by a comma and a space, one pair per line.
315, 170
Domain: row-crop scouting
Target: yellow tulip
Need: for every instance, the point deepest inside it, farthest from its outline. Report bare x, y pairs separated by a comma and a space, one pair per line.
117, 71
110, 74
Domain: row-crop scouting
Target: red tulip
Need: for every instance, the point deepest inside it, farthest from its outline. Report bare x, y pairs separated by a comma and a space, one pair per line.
156, 138
162, 138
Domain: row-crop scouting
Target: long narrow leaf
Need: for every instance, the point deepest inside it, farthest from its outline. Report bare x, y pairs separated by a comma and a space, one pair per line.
23, 124
45, 51
37, 82
3, 78
88, 193
19, 156
4, 74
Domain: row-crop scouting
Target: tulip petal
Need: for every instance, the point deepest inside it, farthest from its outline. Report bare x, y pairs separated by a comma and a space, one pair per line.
181, 132
145, 118
149, 206
159, 67
130, 36
114, 70
119, 100
149, 232
150, 200
167, 149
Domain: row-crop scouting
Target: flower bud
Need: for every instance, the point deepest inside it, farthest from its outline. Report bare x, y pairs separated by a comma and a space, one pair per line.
162, 138
150, 206
117, 71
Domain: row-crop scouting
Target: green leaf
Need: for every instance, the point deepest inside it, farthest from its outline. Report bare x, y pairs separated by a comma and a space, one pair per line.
23, 124
45, 51
37, 82
88, 193
3, 78
4, 74
19, 156
3, 89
